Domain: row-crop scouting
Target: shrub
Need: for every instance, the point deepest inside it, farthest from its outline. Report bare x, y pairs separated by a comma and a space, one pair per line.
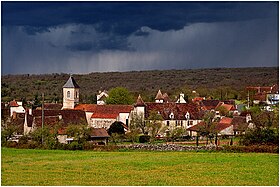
260, 136
23, 140
75, 146
253, 148
11, 144
144, 138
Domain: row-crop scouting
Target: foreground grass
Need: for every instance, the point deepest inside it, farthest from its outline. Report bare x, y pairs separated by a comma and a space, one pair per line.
57, 167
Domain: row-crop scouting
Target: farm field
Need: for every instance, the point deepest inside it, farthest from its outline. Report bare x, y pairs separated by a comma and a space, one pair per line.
58, 167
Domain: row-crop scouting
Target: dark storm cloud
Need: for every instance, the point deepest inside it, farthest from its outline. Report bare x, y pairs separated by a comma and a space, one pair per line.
82, 37
125, 18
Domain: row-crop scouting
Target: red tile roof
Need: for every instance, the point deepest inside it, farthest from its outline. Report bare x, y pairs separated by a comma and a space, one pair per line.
260, 89
49, 121
52, 106
105, 116
86, 107
196, 99
221, 126
166, 97
226, 120
178, 109
13, 104
217, 126
209, 104
68, 116
110, 111
197, 127
260, 96
226, 107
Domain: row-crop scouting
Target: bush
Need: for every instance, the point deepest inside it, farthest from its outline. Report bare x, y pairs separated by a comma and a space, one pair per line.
260, 136
144, 138
23, 140
253, 148
75, 146
30, 145
11, 144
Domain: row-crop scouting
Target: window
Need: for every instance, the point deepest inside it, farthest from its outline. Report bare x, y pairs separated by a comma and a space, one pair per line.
76, 94
68, 94
167, 123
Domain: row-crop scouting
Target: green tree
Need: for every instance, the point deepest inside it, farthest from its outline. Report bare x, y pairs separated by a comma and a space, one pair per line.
175, 133
116, 127
208, 128
266, 128
119, 95
138, 122
80, 133
222, 110
154, 124
7, 133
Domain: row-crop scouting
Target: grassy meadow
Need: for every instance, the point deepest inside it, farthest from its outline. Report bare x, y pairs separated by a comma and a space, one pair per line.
58, 167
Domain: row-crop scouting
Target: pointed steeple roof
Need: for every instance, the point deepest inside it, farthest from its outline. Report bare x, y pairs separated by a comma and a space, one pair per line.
139, 101
159, 96
71, 83
166, 97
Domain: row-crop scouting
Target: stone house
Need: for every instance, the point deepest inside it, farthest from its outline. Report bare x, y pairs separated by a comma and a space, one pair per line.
16, 107
264, 94
226, 126
174, 114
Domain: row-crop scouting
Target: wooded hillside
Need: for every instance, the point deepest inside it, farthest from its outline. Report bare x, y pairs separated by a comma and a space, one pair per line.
228, 83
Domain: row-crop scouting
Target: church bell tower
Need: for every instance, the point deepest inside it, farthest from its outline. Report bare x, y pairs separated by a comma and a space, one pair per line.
70, 93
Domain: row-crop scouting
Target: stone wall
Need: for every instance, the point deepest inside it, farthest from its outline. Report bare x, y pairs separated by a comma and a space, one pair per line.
170, 147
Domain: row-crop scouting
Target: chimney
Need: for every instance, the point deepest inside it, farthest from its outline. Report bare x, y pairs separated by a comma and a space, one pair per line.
30, 111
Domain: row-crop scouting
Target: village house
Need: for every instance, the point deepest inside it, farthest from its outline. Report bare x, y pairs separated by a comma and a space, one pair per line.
225, 126
264, 94
101, 97
16, 107
174, 114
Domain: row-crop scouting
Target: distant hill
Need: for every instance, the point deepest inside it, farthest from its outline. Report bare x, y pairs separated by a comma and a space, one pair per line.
218, 82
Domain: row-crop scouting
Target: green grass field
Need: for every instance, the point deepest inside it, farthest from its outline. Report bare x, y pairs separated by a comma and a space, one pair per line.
57, 167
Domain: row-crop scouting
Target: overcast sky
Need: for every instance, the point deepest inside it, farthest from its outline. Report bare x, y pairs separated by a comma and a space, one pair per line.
84, 37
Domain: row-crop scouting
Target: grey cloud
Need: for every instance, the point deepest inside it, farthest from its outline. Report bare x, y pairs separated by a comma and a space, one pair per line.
200, 45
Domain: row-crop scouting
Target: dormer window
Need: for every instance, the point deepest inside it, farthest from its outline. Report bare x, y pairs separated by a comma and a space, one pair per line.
171, 116
187, 115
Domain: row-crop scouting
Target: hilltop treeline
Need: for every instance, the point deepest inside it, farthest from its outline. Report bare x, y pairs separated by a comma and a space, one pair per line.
218, 83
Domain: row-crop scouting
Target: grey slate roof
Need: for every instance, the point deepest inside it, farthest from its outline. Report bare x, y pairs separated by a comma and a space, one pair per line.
71, 83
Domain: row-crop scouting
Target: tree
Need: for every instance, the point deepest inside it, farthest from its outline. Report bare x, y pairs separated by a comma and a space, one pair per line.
266, 128
154, 124
208, 127
80, 133
175, 133
119, 95
7, 133
222, 110
137, 122
116, 127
